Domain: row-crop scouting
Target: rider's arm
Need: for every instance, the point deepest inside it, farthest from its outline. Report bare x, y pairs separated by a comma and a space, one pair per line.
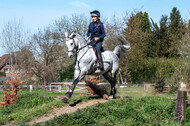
103, 32
88, 32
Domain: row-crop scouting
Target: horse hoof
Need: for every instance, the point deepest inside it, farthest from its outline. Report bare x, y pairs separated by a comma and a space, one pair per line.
105, 96
65, 100
112, 97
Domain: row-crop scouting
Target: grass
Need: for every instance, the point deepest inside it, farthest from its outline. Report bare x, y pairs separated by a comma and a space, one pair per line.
45, 93
138, 92
28, 106
148, 110
40, 102
1, 95
34, 104
64, 88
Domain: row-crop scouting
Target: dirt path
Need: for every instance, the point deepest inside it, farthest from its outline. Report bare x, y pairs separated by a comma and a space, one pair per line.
66, 109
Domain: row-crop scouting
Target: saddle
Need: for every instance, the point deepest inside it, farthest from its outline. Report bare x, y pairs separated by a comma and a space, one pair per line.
94, 48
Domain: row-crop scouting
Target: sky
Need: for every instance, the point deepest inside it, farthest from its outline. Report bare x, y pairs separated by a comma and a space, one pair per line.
37, 14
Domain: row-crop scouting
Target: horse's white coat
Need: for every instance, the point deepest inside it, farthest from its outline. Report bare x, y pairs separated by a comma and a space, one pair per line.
86, 59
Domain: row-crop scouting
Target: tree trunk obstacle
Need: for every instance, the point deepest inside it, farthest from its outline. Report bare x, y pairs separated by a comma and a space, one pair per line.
181, 105
101, 89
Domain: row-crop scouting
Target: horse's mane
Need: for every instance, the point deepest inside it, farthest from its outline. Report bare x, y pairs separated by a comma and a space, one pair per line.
79, 36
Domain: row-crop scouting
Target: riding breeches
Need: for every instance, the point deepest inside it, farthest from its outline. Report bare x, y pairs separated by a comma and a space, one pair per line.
98, 46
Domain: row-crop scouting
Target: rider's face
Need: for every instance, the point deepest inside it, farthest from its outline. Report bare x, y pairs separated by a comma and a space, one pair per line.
95, 19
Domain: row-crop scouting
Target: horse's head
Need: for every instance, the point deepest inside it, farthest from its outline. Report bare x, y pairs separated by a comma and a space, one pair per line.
70, 42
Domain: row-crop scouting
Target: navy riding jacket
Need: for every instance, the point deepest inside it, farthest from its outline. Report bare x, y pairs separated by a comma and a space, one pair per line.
96, 29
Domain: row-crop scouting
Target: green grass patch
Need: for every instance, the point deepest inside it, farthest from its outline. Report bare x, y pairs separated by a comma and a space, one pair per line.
154, 110
82, 98
186, 121
28, 106
1, 96
143, 108
140, 92
45, 93
35, 104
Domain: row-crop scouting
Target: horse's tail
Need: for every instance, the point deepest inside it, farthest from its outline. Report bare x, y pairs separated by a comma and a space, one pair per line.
125, 46
120, 49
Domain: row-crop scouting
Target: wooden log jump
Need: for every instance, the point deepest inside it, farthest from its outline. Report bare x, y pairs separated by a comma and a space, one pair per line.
181, 105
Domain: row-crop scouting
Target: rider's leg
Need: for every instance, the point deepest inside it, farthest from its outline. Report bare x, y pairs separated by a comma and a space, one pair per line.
99, 56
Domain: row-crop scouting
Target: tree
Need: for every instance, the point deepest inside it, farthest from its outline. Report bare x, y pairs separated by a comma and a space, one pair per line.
166, 36
161, 37
48, 55
14, 37
138, 33
76, 22
176, 31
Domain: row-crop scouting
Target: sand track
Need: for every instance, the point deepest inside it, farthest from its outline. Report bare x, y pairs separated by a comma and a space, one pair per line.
66, 109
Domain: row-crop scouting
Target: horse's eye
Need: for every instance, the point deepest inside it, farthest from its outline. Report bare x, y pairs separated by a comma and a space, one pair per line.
71, 43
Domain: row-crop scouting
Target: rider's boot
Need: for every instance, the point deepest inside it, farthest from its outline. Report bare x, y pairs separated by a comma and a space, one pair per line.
100, 62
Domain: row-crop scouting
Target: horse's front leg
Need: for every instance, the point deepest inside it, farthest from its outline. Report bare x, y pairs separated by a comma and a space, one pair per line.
78, 75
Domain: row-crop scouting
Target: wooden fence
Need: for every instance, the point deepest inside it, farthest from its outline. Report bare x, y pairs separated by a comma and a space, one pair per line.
31, 87
57, 86
181, 104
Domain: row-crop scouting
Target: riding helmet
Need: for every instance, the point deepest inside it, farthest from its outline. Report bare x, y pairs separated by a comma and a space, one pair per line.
95, 13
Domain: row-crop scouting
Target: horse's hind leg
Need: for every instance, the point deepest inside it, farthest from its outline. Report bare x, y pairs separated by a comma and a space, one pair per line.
112, 82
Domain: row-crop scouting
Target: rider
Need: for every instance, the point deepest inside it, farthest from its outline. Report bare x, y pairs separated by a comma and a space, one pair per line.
96, 34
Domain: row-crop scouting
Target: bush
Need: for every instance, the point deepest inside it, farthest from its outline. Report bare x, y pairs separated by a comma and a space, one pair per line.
186, 120
151, 70
11, 95
67, 73
160, 70
30, 81
2, 74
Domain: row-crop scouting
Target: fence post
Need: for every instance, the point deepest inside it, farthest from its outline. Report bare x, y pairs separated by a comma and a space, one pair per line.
181, 105
67, 88
31, 88
50, 88
59, 88
1, 89
146, 87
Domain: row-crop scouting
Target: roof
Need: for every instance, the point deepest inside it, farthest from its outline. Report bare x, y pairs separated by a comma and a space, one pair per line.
3, 60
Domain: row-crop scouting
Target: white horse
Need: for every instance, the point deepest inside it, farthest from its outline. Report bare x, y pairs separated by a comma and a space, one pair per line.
86, 61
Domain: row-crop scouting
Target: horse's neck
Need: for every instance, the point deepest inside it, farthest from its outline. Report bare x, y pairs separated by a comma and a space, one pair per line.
80, 42
82, 46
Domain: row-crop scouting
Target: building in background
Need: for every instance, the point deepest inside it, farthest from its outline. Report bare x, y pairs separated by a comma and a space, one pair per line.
7, 65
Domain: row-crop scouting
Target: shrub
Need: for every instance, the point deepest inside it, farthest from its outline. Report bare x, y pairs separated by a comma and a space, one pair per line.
150, 70
67, 73
12, 96
186, 120
2, 74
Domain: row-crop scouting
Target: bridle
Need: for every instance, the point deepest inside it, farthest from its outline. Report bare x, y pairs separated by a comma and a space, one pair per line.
78, 50
75, 47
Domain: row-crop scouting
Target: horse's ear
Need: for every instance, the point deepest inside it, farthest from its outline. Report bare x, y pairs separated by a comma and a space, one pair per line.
66, 34
72, 35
